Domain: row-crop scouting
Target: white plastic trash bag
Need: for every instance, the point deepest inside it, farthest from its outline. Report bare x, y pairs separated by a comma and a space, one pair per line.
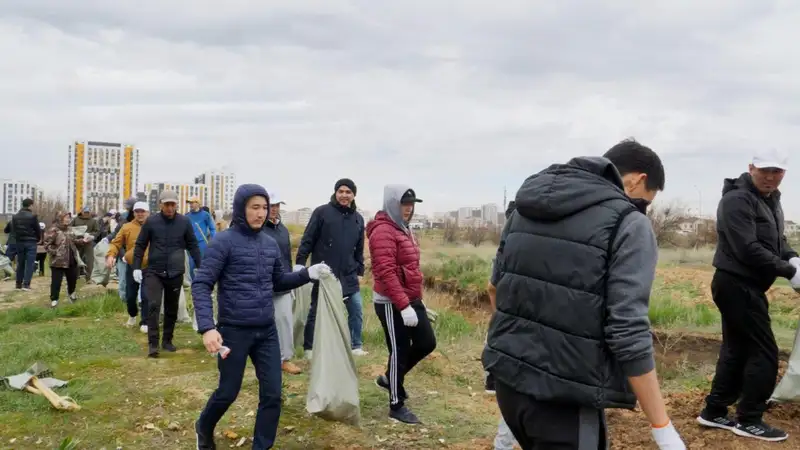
333, 387
183, 313
100, 273
6, 270
788, 390
300, 307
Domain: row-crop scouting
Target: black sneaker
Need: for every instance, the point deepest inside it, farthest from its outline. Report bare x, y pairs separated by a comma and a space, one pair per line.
403, 414
489, 386
204, 441
152, 351
167, 346
760, 431
708, 420
383, 382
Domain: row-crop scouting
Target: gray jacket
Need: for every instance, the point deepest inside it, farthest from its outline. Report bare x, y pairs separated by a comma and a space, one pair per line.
573, 274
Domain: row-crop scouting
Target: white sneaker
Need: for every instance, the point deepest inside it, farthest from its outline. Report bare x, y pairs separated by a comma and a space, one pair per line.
131, 322
143, 329
307, 354
73, 297
359, 352
54, 303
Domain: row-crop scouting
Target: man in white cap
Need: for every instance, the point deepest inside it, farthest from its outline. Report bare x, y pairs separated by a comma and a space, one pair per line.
169, 235
123, 244
752, 252
284, 320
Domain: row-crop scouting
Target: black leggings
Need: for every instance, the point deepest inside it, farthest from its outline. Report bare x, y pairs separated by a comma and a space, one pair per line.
58, 275
40, 258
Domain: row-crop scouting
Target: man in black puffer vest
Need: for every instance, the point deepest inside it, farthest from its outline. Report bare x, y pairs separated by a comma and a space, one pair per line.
573, 274
26, 231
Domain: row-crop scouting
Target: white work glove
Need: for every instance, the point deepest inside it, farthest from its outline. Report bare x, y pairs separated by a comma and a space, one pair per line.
667, 438
316, 270
298, 268
104, 240
410, 318
137, 276
795, 281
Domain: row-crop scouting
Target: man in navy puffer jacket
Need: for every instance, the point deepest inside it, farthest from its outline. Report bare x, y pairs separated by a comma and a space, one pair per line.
246, 266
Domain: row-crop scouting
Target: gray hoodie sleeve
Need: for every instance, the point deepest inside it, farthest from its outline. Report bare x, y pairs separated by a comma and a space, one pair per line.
630, 279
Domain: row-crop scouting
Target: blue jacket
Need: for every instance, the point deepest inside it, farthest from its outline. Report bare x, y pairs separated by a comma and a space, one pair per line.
335, 235
203, 226
245, 265
280, 233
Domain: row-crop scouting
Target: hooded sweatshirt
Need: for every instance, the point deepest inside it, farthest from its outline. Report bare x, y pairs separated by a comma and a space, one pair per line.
574, 270
245, 265
752, 243
394, 252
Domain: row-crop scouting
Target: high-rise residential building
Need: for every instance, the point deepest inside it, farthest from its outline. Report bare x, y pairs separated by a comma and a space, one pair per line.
489, 214
221, 188
185, 193
14, 192
101, 175
299, 217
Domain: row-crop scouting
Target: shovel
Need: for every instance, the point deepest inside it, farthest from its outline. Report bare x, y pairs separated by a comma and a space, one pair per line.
38, 380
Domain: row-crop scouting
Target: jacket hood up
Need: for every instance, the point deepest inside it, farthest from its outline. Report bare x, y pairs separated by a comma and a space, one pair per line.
240, 199
562, 190
392, 193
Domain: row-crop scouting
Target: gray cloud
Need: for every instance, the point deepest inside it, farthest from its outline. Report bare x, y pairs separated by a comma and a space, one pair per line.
458, 101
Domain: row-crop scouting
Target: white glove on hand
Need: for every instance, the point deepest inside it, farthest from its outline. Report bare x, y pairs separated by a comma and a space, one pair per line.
667, 438
137, 276
410, 318
316, 270
298, 267
795, 281
104, 240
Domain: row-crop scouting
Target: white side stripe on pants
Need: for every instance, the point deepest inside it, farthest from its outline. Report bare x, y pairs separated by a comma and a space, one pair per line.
393, 387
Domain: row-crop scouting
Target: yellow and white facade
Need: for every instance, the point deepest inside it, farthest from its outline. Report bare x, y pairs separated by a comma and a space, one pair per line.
101, 175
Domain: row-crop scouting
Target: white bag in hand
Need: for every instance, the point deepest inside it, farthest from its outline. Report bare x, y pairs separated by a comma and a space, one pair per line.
333, 387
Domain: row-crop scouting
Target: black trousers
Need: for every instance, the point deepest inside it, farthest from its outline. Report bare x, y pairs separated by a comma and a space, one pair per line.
40, 258
132, 296
407, 345
57, 275
748, 359
156, 288
551, 426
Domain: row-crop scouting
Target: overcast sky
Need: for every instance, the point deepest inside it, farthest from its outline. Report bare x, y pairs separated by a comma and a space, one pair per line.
455, 98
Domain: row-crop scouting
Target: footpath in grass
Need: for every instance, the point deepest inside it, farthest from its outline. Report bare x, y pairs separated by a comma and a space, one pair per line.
132, 402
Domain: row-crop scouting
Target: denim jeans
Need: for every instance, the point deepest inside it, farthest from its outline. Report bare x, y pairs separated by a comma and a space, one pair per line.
355, 319
26, 262
122, 278
261, 345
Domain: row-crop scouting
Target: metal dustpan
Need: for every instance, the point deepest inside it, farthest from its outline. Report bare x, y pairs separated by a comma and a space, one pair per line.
38, 370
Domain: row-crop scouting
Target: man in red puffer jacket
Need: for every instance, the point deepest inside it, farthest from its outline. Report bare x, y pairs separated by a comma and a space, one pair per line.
398, 294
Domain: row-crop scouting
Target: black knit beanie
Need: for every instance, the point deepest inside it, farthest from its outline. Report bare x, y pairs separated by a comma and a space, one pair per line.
345, 182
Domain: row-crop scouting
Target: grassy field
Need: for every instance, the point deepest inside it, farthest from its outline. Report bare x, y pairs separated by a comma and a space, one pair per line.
132, 402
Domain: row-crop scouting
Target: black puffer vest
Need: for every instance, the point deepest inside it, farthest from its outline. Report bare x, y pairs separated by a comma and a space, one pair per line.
547, 339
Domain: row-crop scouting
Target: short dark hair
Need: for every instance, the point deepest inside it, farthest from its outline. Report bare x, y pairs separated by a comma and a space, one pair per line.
629, 156
27, 203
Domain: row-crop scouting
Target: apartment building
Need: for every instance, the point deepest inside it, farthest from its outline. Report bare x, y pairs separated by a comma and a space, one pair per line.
101, 175
489, 214
185, 192
299, 217
14, 192
221, 189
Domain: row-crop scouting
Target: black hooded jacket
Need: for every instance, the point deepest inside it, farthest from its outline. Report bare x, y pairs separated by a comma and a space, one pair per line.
752, 243
573, 274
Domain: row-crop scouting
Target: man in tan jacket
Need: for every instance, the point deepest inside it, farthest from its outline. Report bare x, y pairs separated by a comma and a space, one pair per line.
126, 238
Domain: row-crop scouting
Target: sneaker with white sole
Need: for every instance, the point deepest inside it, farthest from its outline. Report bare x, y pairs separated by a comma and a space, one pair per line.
143, 329
307, 354
54, 303
73, 297
709, 420
359, 352
131, 322
760, 431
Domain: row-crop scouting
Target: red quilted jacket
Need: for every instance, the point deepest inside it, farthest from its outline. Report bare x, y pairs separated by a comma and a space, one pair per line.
395, 261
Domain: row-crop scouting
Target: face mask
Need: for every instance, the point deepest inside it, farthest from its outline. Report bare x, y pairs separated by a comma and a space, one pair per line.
640, 204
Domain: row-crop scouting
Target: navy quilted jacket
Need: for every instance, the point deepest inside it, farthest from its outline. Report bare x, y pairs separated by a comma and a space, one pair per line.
245, 265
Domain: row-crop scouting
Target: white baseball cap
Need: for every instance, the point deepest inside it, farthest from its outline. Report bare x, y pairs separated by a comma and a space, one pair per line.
141, 206
275, 199
771, 158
